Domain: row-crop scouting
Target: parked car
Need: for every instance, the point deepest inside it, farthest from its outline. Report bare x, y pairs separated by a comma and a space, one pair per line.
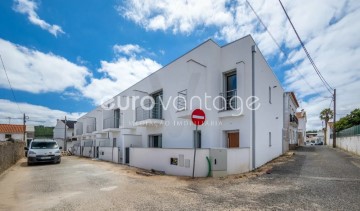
319, 143
312, 143
43, 151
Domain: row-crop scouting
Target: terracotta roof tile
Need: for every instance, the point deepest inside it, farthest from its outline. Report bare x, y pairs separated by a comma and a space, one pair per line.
7, 128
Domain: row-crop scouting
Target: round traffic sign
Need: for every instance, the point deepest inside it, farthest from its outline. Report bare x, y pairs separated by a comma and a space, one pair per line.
198, 117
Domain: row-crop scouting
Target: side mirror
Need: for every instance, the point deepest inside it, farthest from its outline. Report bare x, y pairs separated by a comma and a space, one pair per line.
25, 148
60, 147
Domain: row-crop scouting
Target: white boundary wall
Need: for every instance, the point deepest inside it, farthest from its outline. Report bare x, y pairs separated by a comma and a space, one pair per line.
88, 152
159, 159
350, 144
109, 154
238, 160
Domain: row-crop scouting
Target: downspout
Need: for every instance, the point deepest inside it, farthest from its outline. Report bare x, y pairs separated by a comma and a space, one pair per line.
284, 125
253, 105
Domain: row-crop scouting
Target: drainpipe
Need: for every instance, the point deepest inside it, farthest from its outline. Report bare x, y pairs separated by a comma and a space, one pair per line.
253, 105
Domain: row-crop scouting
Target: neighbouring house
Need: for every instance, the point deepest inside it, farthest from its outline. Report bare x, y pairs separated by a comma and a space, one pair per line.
10, 131
301, 116
149, 124
59, 133
329, 133
290, 130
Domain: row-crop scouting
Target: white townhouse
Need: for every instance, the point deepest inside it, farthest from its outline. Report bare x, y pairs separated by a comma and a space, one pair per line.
238, 135
290, 131
59, 132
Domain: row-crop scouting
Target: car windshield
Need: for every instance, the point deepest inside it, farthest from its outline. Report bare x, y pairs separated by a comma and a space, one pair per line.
312, 141
44, 145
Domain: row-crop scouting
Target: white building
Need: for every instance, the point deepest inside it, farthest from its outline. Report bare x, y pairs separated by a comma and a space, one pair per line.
290, 129
233, 141
59, 132
15, 132
301, 116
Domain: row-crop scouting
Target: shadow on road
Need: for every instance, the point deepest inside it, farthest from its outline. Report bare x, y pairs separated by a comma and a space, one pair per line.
24, 164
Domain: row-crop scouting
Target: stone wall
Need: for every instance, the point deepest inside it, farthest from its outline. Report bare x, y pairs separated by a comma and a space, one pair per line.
10, 153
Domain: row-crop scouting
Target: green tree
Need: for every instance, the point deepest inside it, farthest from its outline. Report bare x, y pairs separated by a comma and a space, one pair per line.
348, 121
326, 115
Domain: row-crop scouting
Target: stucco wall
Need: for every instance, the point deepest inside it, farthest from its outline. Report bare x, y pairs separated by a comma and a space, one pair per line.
15, 136
238, 160
159, 159
350, 144
10, 153
109, 154
88, 152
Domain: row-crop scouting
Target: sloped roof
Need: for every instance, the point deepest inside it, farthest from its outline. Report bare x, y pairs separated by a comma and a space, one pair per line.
69, 123
294, 97
8, 128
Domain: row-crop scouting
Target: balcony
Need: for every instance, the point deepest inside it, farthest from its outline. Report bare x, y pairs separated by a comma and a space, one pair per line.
79, 131
90, 128
228, 100
111, 123
145, 117
181, 100
78, 128
294, 119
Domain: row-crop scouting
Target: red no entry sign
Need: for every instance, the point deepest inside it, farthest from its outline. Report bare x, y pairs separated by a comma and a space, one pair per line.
198, 117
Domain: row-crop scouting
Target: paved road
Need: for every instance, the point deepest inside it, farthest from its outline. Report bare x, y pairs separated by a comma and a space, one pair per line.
315, 178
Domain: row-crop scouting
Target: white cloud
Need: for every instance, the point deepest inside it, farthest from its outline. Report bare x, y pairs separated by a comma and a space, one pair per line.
179, 16
34, 71
120, 74
38, 115
128, 49
37, 72
328, 28
29, 7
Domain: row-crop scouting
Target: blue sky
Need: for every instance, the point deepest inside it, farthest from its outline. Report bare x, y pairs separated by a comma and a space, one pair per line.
98, 44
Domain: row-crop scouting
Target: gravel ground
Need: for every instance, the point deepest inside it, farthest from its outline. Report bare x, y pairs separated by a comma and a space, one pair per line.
315, 178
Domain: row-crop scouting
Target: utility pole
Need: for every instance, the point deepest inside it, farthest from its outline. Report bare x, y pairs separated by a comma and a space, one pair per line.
334, 127
24, 120
65, 135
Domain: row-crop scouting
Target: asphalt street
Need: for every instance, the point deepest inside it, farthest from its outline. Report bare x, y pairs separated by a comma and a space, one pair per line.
315, 178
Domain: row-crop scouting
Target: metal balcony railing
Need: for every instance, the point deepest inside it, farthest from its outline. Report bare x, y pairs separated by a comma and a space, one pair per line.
181, 100
79, 131
228, 100
154, 113
293, 119
111, 122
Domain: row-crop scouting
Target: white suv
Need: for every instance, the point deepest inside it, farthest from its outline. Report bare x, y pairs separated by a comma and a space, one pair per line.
41, 151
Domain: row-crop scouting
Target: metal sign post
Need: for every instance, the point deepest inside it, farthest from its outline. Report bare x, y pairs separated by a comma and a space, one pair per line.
198, 118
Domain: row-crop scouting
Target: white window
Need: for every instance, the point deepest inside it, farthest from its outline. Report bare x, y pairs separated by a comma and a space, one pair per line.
155, 141
269, 139
269, 94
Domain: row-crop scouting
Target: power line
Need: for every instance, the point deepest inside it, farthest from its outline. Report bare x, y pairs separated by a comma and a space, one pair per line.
328, 87
279, 47
12, 91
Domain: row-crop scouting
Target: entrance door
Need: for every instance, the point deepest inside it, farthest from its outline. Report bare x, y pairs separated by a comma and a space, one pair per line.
127, 155
233, 140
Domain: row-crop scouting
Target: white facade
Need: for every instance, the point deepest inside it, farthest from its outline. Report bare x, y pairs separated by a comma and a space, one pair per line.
302, 119
15, 136
290, 131
59, 130
204, 71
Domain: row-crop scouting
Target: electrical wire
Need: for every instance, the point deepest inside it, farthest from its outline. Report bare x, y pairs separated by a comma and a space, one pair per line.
12, 91
279, 47
328, 87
